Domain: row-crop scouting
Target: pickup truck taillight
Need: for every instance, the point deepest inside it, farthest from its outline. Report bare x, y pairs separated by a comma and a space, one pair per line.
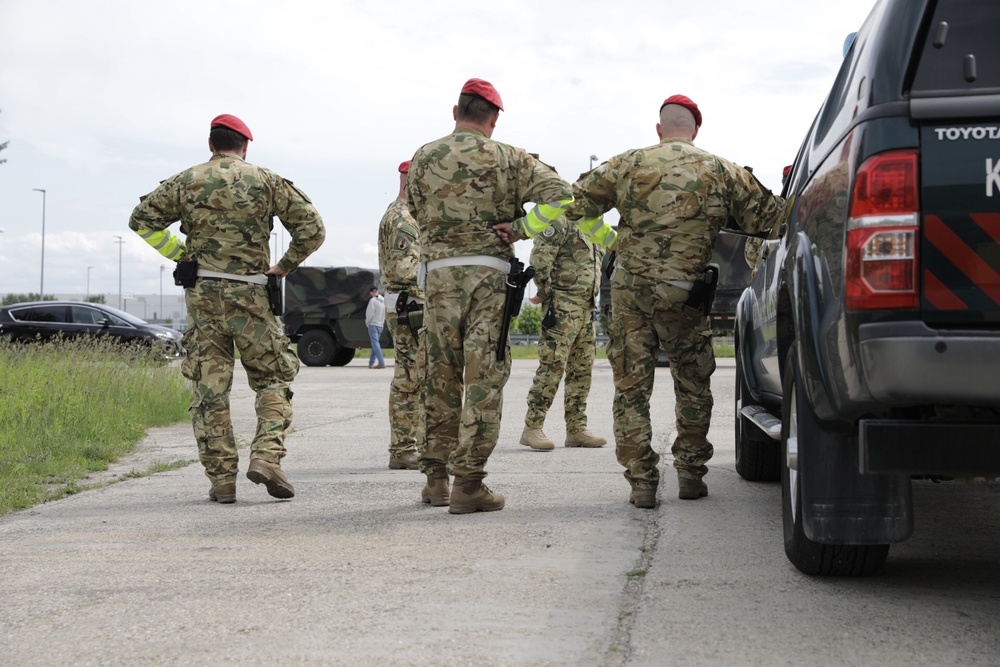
881, 259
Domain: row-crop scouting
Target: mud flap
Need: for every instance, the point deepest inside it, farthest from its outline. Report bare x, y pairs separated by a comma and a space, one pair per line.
842, 506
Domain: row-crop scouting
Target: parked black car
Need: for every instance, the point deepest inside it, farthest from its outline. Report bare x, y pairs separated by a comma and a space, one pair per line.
868, 343
44, 320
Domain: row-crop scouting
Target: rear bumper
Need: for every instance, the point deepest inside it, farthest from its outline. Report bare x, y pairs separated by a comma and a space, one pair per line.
929, 448
906, 363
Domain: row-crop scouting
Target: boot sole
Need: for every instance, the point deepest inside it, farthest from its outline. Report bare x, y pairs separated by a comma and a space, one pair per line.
453, 509
444, 502
586, 446
692, 495
274, 488
539, 449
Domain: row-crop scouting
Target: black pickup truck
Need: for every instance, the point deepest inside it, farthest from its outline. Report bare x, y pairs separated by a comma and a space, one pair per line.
868, 342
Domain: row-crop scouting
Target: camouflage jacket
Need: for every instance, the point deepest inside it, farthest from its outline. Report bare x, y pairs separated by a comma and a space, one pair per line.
673, 199
567, 265
226, 208
398, 250
461, 185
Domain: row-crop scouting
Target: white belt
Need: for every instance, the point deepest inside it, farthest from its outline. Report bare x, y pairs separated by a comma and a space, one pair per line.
260, 279
501, 265
680, 284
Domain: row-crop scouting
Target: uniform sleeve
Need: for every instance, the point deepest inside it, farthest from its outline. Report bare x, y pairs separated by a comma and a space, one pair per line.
155, 212
593, 196
542, 185
753, 205
302, 221
543, 254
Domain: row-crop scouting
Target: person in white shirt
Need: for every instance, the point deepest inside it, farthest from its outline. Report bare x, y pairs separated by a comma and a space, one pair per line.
375, 319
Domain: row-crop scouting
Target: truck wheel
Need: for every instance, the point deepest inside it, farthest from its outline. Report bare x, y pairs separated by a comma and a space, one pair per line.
757, 455
343, 356
799, 427
316, 348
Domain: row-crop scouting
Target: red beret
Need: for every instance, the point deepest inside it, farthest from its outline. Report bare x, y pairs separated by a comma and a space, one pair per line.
687, 103
233, 123
404, 167
483, 89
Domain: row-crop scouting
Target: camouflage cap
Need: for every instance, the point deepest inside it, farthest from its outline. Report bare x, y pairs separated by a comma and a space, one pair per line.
483, 89
687, 103
233, 123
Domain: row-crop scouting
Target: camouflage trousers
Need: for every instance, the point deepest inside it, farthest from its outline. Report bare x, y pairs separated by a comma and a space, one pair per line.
567, 348
645, 314
406, 393
464, 305
224, 316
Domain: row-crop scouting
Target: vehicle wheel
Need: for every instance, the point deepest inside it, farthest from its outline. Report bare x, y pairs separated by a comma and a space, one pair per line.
800, 425
343, 356
758, 457
316, 348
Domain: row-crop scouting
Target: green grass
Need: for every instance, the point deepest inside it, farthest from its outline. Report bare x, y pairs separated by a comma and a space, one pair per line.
68, 408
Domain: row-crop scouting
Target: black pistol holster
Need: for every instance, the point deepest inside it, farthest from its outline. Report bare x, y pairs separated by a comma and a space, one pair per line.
517, 280
275, 298
410, 311
703, 291
550, 320
186, 273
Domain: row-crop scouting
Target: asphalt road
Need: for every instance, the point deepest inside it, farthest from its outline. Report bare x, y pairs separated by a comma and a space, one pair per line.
355, 570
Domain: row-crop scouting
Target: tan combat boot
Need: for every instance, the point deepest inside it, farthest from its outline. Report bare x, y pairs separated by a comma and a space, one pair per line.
691, 489
271, 476
534, 438
223, 493
403, 460
584, 438
471, 495
437, 492
643, 498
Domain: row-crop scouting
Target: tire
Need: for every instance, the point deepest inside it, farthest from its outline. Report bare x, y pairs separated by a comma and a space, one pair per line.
800, 427
758, 457
316, 348
343, 356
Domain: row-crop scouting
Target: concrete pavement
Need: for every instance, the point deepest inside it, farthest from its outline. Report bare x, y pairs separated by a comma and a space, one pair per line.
355, 570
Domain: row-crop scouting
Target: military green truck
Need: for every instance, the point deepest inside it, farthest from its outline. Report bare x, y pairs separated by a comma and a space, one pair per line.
325, 313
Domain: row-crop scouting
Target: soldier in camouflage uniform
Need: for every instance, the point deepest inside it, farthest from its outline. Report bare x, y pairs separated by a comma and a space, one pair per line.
226, 208
568, 277
673, 199
459, 187
398, 261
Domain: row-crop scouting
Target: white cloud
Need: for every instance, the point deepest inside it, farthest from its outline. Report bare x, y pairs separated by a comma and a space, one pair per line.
101, 100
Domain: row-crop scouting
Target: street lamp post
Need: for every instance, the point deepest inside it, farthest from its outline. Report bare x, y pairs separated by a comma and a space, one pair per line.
41, 284
162, 267
120, 243
88, 282
593, 159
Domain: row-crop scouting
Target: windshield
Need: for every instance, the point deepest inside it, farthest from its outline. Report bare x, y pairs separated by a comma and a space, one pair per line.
122, 315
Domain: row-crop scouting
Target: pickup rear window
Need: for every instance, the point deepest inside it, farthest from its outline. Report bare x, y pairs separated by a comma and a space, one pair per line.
961, 52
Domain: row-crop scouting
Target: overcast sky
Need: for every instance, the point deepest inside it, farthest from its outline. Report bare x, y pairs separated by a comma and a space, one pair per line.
100, 100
